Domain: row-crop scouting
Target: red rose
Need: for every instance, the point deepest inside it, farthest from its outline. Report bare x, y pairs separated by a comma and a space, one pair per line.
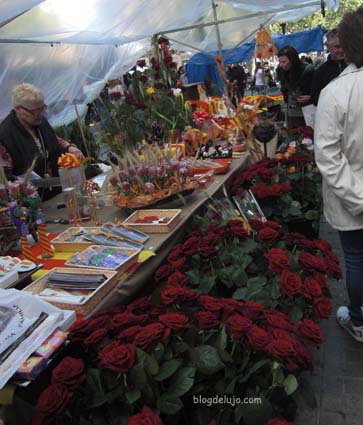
53, 400
278, 333
96, 337
117, 357
310, 331
322, 245
171, 293
292, 239
333, 269
128, 319
311, 263
189, 297
281, 349
258, 338
321, 278
279, 189
175, 321
278, 260
210, 303
312, 288
235, 228
175, 253
322, 308
178, 278
162, 272
79, 330
150, 335
267, 235
257, 224
191, 245
278, 421
237, 325
290, 283
303, 355
216, 230
156, 310
69, 372
207, 250
305, 244
99, 322
331, 257
252, 310
127, 335
272, 225
277, 319
140, 305
145, 417
266, 173
260, 190
207, 320
179, 263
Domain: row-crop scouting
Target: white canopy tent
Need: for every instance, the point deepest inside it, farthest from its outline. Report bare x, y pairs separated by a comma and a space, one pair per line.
71, 48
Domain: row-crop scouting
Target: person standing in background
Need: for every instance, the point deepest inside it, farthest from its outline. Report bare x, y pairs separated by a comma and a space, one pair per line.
339, 156
296, 79
330, 69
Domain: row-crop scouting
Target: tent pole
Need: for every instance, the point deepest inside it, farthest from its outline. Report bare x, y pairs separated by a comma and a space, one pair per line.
239, 18
188, 45
251, 34
220, 45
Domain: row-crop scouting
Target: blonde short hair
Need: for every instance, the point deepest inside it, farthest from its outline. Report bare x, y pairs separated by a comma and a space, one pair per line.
25, 93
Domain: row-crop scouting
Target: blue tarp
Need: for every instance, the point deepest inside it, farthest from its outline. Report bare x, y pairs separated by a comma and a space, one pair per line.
202, 67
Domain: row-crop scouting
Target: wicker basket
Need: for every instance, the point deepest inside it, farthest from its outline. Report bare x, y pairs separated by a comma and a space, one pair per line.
62, 245
8, 234
173, 215
91, 301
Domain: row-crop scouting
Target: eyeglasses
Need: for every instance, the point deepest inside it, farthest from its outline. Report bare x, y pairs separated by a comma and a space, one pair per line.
35, 111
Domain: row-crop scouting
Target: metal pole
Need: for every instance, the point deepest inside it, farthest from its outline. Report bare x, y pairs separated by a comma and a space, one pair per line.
190, 46
220, 45
239, 18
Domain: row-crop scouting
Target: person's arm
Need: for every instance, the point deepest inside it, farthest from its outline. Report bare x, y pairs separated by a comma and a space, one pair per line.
329, 153
70, 147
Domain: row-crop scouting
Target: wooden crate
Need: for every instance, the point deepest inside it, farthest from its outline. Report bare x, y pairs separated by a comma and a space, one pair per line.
130, 252
91, 301
61, 245
173, 215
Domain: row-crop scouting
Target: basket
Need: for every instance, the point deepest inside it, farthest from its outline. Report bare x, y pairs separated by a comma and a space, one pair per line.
172, 215
91, 301
61, 245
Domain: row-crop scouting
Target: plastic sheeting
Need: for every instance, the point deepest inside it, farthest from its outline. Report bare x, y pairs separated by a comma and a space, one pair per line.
9, 9
88, 31
203, 67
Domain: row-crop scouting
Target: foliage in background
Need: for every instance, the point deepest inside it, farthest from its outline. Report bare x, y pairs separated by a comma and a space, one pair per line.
330, 21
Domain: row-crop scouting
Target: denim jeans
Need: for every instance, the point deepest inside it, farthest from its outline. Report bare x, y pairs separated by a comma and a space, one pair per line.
352, 244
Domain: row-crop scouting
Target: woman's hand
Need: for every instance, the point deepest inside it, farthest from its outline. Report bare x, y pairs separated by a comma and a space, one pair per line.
75, 151
302, 100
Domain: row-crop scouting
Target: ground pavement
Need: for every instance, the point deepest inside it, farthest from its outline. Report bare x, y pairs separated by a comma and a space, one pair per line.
337, 378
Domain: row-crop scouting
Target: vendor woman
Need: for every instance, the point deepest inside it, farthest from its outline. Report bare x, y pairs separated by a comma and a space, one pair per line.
25, 134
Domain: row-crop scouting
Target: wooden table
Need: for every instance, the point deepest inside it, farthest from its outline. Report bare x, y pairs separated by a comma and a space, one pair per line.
138, 282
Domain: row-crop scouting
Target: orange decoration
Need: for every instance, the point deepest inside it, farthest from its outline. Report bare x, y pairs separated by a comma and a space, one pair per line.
69, 160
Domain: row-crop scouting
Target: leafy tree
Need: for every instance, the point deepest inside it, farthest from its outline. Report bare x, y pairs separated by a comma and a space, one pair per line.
330, 21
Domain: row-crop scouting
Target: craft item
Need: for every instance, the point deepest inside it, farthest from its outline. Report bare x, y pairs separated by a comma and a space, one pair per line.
25, 247
154, 221
72, 206
90, 187
129, 234
51, 344
45, 246
31, 368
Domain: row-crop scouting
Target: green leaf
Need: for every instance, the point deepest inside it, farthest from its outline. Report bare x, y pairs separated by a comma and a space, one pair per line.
222, 339
133, 396
152, 366
169, 405
251, 370
254, 413
137, 376
240, 294
295, 314
182, 381
94, 380
312, 215
206, 283
230, 388
207, 360
256, 282
167, 369
275, 290
194, 277
290, 384
247, 246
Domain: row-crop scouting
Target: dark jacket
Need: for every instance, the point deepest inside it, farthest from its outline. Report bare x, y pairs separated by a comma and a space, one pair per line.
298, 81
20, 145
325, 73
